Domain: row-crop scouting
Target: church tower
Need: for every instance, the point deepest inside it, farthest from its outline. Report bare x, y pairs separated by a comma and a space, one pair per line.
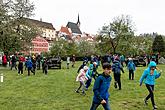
78, 21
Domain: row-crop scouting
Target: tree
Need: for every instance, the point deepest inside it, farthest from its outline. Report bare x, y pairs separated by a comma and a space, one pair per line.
85, 48
58, 48
121, 29
17, 32
158, 44
103, 46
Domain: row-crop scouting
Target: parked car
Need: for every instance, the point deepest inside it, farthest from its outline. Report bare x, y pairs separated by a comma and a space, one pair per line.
139, 61
54, 62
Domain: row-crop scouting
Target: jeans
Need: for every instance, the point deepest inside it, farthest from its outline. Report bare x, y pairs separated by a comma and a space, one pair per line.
131, 74
117, 79
105, 106
88, 83
151, 94
81, 84
14, 65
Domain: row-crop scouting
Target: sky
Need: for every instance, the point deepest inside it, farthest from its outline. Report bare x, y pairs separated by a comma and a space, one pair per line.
147, 15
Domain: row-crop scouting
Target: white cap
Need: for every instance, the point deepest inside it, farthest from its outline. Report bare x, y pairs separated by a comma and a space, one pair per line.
85, 68
95, 63
129, 58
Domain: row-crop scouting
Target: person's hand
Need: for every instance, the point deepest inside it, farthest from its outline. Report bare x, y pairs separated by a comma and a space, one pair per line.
103, 102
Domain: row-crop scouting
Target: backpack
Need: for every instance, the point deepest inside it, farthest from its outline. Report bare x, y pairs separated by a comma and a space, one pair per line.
116, 68
131, 66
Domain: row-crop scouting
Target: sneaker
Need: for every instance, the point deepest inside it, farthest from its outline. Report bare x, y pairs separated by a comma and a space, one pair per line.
77, 91
145, 102
115, 85
83, 93
155, 107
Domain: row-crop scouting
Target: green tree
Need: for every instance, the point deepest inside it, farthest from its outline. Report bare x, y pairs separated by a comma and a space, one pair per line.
158, 44
58, 48
103, 46
70, 48
121, 29
85, 48
17, 32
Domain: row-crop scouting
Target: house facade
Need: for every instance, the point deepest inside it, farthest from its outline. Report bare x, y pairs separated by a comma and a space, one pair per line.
41, 42
47, 29
39, 45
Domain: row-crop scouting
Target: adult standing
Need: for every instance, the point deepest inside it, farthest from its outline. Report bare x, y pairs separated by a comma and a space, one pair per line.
13, 62
73, 60
4, 60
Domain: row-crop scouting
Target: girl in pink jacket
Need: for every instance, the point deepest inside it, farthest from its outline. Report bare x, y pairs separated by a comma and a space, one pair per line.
82, 79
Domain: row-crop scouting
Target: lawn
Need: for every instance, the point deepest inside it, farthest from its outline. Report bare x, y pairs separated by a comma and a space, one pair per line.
55, 91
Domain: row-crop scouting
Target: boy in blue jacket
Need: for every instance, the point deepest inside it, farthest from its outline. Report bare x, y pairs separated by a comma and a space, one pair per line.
117, 68
150, 74
29, 66
131, 67
101, 87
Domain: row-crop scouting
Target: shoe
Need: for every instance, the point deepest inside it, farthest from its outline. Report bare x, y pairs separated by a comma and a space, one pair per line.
86, 89
77, 91
155, 107
83, 93
115, 85
145, 102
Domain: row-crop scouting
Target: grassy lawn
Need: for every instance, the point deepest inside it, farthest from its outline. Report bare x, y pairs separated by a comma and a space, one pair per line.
55, 91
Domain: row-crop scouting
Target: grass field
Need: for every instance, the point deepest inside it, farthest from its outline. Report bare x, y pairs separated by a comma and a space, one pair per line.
55, 91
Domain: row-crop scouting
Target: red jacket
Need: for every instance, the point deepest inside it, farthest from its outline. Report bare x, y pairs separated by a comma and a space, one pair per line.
21, 59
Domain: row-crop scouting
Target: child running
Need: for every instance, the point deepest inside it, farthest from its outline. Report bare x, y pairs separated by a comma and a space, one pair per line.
150, 74
101, 87
117, 68
82, 79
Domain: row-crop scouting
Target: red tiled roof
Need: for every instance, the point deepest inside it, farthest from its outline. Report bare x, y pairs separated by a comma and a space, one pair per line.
65, 30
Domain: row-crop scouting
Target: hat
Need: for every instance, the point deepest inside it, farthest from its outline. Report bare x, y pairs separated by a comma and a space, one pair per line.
85, 67
152, 64
95, 63
129, 58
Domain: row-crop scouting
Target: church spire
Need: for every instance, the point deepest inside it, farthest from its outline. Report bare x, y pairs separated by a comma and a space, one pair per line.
78, 21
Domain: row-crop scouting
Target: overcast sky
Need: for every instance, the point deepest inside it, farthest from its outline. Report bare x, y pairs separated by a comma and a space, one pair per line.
147, 15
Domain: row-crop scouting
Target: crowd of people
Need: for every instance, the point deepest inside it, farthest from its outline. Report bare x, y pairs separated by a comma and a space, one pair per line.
88, 72
29, 63
113, 64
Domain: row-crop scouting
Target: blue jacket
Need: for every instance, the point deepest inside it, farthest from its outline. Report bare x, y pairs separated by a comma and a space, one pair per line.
149, 79
117, 67
29, 63
101, 87
131, 66
89, 73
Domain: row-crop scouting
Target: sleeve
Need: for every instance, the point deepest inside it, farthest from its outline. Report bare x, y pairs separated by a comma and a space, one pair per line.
143, 76
157, 75
96, 88
113, 67
128, 65
79, 69
121, 68
134, 66
87, 74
